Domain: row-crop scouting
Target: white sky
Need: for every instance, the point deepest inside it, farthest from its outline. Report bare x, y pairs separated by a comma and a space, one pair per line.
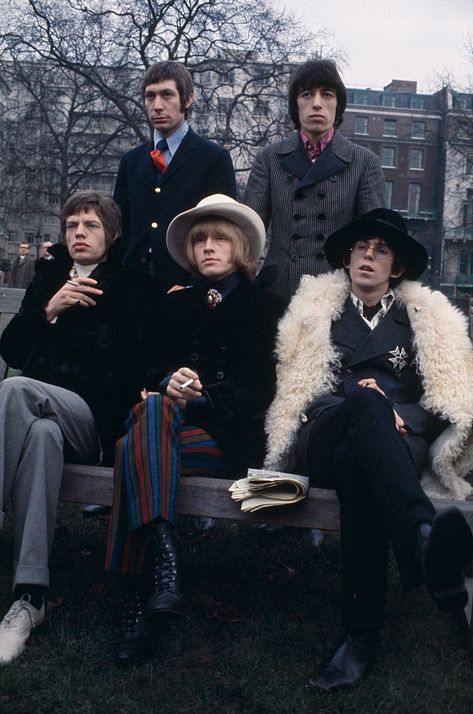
419, 40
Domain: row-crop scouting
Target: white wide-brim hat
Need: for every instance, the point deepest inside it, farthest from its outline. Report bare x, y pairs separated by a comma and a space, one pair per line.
219, 206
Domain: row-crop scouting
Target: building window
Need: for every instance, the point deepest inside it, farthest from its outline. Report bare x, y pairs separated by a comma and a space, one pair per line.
227, 77
416, 102
360, 98
468, 166
388, 194
418, 130
30, 175
390, 127
361, 125
416, 159
388, 100
465, 266
224, 106
53, 199
388, 157
414, 199
261, 108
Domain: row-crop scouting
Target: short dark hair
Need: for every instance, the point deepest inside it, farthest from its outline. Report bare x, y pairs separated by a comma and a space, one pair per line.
316, 73
104, 206
165, 71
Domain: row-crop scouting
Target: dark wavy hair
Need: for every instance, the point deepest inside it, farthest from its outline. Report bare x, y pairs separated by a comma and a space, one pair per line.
104, 206
316, 73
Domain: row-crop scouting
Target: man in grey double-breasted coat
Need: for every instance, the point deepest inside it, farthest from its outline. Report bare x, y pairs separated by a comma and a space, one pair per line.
311, 183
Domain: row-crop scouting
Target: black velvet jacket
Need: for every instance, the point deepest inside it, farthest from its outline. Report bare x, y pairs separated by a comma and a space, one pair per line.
97, 352
231, 349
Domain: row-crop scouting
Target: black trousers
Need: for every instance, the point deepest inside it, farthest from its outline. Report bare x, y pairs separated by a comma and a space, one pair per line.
356, 449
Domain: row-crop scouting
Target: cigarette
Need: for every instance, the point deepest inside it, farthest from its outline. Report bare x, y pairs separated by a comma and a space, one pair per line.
186, 384
72, 282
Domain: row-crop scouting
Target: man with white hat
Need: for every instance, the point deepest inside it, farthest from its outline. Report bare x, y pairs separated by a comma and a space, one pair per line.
375, 380
212, 379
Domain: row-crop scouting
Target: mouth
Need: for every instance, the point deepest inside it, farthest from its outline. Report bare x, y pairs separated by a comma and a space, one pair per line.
78, 246
366, 268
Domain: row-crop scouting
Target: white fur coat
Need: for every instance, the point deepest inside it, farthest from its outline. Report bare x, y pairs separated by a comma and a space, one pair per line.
445, 360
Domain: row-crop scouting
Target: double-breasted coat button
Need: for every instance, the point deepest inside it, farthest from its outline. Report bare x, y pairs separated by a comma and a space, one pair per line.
319, 236
294, 258
157, 189
154, 224
298, 195
320, 256
295, 236
332, 179
321, 216
297, 216
220, 374
348, 372
321, 194
194, 356
304, 418
142, 260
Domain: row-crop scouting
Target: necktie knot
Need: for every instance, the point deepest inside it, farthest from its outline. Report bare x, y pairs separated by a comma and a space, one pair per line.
157, 156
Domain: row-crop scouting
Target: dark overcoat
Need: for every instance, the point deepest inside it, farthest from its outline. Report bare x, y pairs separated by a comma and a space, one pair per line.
198, 169
231, 349
96, 352
302, 203
387, 355
22, 272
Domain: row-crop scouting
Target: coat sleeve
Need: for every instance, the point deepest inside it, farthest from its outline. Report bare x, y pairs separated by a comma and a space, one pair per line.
120, 195
221, 175
370, 194
258, 189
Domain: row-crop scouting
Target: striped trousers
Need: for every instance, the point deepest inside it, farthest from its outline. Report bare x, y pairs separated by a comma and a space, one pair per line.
157, 449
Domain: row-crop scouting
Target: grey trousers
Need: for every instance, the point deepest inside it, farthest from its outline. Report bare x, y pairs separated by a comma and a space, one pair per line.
36, 421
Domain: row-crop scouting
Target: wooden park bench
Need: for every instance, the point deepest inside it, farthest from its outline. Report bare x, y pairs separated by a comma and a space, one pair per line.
197, 496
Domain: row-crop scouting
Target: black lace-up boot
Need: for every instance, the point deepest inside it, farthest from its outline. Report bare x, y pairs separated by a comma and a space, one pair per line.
166, 598
136, 639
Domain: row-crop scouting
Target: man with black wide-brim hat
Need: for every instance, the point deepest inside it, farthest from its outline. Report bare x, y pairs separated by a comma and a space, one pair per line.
375, 388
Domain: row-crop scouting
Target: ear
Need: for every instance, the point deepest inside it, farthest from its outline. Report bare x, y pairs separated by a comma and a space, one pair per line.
398, 273
189, 102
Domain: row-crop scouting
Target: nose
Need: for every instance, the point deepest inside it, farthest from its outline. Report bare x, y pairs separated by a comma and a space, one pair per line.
369, 251
317, 98
208, 244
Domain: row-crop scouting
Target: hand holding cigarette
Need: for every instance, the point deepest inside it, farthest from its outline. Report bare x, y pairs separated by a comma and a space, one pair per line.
184, 386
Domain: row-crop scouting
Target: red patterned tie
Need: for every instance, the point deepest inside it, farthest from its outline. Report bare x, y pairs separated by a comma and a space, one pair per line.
157, 156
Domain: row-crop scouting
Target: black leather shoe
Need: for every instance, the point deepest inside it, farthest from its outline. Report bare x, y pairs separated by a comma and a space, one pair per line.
166, 598
350, 662
136, 640
446, 552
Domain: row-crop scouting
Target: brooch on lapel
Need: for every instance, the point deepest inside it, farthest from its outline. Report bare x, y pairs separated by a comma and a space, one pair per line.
399, 358
213, 298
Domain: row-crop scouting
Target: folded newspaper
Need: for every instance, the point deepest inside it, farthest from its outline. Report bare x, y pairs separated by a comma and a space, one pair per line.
264, 489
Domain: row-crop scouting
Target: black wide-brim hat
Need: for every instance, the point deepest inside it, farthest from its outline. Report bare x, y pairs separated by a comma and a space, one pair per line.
380, 223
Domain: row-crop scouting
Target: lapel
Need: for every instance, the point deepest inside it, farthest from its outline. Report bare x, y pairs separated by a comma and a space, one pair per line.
331, 161
394, 330
147, 163
185, 152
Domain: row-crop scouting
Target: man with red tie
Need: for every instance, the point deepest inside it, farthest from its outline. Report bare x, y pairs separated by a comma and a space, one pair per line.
159, 179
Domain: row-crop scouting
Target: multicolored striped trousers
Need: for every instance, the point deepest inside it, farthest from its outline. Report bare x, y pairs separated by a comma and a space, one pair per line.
157, 449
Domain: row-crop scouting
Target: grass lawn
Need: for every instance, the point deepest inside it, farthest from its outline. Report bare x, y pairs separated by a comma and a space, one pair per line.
263, 612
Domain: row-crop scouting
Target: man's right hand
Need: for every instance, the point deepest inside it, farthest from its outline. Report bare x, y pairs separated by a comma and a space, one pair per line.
79, 291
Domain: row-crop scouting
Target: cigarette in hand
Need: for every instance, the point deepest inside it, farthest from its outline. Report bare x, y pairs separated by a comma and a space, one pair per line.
186, 384
72, 282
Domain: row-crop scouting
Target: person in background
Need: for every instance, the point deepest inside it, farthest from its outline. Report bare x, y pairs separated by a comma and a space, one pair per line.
203, 406
375, 385
22, 270
312, 182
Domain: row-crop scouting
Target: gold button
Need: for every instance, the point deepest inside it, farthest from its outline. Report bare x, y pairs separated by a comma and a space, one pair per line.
157, 189
154, 224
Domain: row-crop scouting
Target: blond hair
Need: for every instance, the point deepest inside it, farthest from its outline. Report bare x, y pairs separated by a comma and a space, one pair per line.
216, 226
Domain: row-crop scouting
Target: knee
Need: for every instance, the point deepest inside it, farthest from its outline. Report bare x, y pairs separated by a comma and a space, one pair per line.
365, 400
46, 431
15, 389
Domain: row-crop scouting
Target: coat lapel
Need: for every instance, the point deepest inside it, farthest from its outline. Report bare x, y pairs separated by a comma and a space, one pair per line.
184, 154
391, 332
331, 161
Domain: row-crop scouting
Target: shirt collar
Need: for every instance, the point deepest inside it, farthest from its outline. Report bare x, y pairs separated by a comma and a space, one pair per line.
173, 140
314, 150
83, 271
386, 303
